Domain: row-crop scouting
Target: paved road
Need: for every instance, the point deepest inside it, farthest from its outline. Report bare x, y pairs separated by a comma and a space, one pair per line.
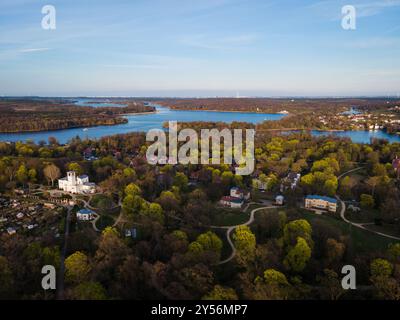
358, 225
60, 278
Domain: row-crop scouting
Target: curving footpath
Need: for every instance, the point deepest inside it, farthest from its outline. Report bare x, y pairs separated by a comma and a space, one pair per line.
358, 225
229, 229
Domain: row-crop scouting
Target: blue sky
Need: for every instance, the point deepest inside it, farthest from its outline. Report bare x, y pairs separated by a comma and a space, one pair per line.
199, 48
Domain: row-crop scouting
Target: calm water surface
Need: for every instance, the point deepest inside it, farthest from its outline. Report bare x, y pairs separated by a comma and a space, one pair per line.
145, 122
140, 122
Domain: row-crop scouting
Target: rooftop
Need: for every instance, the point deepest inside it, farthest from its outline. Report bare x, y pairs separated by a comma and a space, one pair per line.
314, 196
232, 199
85, 211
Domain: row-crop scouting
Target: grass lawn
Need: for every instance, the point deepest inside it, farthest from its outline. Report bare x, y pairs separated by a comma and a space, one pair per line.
385, 228
229, 217
101, 200
104, 221
364, 216
363, 241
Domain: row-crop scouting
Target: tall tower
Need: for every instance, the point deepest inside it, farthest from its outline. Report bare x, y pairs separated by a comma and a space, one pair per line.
71, 177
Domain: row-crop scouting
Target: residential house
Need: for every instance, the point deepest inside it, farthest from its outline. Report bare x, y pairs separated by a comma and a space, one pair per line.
290, 181
236, 198
11, 230
231, 202
85, 215
279, 200
239, 193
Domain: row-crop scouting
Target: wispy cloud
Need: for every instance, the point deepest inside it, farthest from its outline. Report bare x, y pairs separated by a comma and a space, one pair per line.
136, 66
331, 9
373, 8
33, 50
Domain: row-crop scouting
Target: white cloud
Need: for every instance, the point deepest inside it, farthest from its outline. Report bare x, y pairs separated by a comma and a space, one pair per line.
33, 50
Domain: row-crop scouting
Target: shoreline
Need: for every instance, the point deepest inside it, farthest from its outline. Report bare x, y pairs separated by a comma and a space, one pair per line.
228, 111
139, 113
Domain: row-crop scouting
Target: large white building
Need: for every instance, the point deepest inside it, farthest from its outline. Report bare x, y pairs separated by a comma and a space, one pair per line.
320, 203
72, 183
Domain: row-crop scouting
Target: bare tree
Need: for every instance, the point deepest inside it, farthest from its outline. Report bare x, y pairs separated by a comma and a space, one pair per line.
52, 172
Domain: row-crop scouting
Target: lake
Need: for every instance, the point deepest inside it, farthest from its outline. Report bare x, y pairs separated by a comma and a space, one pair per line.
145, 122
140, 122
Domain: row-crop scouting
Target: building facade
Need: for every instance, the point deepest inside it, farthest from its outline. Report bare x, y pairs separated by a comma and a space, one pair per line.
85, 215
76, 184
231, 202
321, 203
241, 194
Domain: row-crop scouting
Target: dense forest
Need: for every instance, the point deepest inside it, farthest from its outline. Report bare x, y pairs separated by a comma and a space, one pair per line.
274, 105
285, 253
305, 114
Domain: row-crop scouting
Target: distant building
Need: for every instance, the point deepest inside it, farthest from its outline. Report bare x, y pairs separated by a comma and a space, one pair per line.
131, 233
321, 203
239, 193
194, 176
236, 198
85, 215
231, 202
49, 205
72, 183
279, 200
290, 182
11, 230
354, 208
88, 154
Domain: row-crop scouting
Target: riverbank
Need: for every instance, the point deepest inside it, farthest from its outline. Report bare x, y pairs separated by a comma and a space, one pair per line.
306, 129
139, 113
133, 122
229, 111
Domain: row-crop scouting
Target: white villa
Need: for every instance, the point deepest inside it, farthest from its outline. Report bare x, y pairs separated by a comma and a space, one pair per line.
72, 183
236, 198
239, 193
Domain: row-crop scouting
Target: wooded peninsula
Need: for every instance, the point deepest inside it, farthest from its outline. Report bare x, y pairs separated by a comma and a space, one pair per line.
22, 115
